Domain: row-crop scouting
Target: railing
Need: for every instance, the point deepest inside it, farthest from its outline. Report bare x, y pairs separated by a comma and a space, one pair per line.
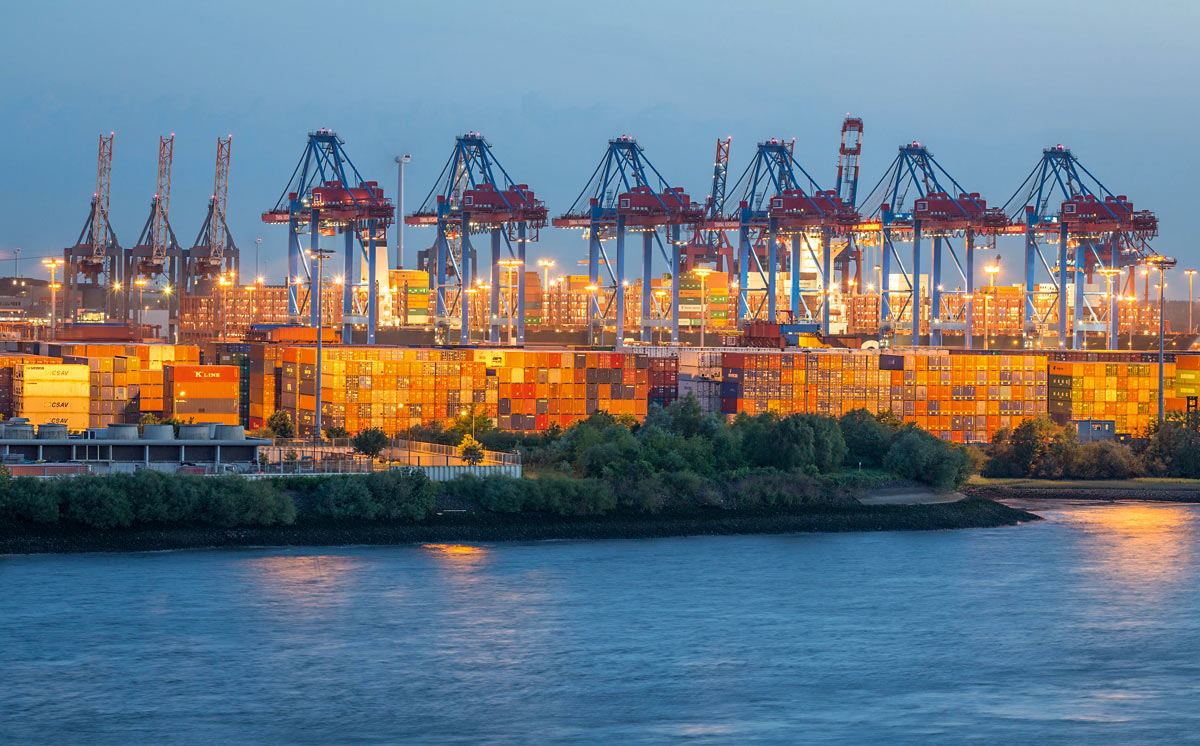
399, 451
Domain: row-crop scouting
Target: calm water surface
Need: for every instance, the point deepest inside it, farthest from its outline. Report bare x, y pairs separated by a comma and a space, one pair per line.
1084, 628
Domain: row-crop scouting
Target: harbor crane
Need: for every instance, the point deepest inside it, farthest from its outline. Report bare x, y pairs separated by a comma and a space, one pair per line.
214, 253
156, 254
96, 261
327, 195
474, 194
627, 193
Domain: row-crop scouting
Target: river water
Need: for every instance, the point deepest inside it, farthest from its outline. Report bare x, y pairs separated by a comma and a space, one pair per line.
1084, 628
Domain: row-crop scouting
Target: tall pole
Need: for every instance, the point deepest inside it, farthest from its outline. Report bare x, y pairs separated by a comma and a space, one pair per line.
1161, 341
257, 251
400, 161
319, 255
1191, 273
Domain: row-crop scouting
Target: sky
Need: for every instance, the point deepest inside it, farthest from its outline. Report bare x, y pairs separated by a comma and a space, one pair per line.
985, 85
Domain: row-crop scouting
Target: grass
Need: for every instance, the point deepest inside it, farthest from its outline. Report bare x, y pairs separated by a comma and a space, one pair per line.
1142, 483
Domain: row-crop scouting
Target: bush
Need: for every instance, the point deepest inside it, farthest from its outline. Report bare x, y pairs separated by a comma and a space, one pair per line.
1035, 448
370, 442
147, 498
402, 494
470, 451
917, 455
345, 497
1106, 459
866, 438
280, 424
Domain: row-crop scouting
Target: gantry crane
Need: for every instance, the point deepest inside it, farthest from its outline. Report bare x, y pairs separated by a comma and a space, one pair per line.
214, 252
849, 251
96, 257
320, 200
157, 253
917, 197
620, 196
467, 199
712, 244
781, 202
1061, 203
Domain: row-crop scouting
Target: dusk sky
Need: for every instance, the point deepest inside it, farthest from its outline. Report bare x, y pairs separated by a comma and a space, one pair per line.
986, 85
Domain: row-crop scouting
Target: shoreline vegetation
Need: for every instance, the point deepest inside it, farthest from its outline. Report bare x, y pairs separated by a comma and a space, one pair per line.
680, 472
482, 527
1148, 489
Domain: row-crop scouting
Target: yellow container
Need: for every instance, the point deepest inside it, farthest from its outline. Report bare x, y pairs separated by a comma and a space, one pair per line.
37, 387
63, 404
64, 372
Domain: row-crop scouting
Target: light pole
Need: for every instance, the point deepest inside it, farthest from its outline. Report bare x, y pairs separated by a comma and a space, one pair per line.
141, 286
52, 265
545, 264
317, 295
1163, 263
703, 273
595, 303
992, 270
224, 282
1114, 328
401, 160
257, 251
1191, 273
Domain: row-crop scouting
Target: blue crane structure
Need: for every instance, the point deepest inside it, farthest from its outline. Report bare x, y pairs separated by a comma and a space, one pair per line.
774, 206
327, 195
1063, 205
712, 244
475, 194
621, 196
918, 197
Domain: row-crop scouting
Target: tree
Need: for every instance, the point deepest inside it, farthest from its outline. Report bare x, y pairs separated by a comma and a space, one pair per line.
472, 421
1035, 448
470, 451
280, 425
336, 432
370, 442
866, 438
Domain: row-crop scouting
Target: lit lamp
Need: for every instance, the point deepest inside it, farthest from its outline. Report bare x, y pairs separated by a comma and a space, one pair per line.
992, 270
53, 265
703, 273
1163, 263
1191, 273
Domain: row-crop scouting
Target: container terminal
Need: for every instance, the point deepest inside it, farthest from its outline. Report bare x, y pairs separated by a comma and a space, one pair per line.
770, 294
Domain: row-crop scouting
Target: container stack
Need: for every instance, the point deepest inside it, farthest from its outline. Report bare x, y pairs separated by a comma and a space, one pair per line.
201, 393
1120, 387
962, 396
113, 389
412, 292
57, 394
263, 387
664, 380
8, 365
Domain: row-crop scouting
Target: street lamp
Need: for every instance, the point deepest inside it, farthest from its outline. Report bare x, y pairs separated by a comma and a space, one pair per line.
1163, 263
506, 287
703, 273
224, 282
594, 307
1114, 325
992, 269
52, 265
257, 251
1191, 273
545, 264
140, 283
320, 254
401, 160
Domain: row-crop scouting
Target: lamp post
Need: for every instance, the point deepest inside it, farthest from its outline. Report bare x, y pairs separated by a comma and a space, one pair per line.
401, 160
224, 282
257, 251
1114, 329
545, 264
992, 270
1191, 273
1163, 263
595, 303
506, 289
317, 299
140, 283
703, 273
52, 265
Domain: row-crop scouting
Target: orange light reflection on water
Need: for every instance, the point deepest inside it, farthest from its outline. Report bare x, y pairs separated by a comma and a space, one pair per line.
304, 581
1139, 546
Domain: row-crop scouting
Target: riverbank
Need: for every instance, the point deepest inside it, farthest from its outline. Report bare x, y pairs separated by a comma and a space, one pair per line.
492, 527
1150, 489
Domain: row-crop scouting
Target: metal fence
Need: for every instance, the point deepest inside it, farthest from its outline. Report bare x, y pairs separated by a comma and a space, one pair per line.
307, 457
